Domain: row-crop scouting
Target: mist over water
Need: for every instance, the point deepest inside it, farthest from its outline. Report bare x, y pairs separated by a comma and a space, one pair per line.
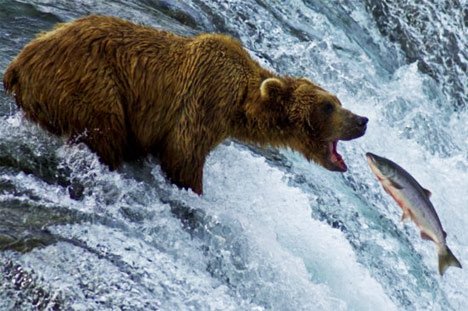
272, 231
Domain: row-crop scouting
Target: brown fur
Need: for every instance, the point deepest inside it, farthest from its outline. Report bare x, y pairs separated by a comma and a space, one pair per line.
128, 90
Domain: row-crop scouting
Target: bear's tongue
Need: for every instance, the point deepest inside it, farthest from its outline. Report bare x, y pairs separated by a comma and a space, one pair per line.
336, 158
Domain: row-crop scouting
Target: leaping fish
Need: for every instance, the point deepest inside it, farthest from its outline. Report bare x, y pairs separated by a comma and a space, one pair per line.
414, 200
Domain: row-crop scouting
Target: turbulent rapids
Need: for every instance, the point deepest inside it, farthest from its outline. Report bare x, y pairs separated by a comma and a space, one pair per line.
271, 231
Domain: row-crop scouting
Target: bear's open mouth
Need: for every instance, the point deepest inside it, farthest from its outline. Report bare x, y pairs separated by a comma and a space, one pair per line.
335, 158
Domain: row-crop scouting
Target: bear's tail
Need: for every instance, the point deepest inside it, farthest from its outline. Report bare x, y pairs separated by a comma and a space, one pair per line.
10, 79
11, 83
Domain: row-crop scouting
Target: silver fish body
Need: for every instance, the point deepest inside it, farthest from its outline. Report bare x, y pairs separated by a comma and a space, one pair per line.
415, 203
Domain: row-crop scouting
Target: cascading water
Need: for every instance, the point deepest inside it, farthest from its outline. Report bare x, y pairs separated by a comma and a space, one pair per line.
272, 231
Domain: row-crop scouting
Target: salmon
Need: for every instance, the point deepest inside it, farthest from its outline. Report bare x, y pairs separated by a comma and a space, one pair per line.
416, 205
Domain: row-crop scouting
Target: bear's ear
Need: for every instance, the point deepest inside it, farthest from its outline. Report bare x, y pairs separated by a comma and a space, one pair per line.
271, 88
306, 80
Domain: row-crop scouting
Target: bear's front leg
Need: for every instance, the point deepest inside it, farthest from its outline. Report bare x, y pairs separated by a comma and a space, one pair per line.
184, 149
184, 166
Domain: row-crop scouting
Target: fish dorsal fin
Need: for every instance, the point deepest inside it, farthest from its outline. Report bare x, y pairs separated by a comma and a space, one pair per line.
425, 236
427, 192
395, 184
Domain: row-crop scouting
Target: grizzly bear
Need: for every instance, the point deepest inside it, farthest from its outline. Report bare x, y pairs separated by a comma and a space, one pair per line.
128, 90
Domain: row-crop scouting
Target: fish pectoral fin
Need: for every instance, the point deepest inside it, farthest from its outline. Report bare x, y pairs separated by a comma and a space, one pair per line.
395, 184
425, 236
406, 215
445, 234
387, 190
427, 192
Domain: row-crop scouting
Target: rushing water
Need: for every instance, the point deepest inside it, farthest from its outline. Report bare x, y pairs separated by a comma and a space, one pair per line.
272, 231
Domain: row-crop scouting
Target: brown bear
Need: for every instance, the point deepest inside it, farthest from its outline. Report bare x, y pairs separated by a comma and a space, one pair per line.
127, 90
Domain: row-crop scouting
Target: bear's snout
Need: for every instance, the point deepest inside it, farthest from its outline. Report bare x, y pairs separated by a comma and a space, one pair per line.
354, 128
361, 126
362, 121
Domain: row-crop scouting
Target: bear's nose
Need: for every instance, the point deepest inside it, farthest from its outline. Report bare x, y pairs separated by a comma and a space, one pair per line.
362, 121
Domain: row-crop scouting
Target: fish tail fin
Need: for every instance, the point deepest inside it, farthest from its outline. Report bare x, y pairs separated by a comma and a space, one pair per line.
447, 259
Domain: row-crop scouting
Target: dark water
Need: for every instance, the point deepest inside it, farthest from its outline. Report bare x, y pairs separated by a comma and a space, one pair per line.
271, 232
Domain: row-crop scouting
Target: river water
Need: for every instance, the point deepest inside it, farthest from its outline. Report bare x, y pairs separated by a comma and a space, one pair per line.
272, 231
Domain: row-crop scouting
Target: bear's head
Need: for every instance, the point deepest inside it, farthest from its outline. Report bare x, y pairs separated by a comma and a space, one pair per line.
309, 119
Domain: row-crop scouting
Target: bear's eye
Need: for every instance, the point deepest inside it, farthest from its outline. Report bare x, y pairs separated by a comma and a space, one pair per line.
328, 108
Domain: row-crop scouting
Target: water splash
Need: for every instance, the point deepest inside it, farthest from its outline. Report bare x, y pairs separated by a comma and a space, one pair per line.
292, 235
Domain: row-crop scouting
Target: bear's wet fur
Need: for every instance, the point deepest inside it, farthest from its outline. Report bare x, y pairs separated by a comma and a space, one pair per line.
128, 90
